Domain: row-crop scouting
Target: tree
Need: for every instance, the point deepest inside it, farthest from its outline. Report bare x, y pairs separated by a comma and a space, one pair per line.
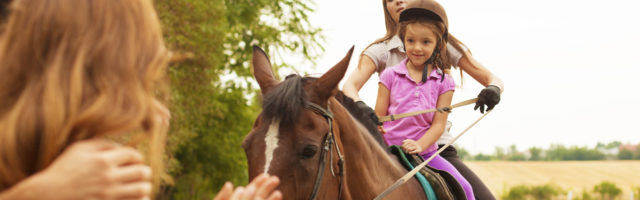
625, 154
213, 102
499, 153
536, 153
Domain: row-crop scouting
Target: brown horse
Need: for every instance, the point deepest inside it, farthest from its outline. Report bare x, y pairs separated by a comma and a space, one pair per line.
316, 147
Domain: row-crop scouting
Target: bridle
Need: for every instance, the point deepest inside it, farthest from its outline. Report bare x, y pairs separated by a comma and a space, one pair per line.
329, 139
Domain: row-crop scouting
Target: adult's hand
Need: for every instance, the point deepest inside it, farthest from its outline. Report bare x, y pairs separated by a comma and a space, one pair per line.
92, 169
489, 96
261, 188
368, 111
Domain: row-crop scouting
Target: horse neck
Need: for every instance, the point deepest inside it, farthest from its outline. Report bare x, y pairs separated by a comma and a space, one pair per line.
369, 169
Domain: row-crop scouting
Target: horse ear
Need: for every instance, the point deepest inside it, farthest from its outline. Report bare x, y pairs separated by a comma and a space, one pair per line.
262, 70
326, 85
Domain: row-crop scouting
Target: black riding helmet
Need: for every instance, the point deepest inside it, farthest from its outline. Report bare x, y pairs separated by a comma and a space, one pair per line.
427, 9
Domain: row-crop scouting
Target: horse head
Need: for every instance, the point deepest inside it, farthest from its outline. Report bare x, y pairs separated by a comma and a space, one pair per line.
294, 136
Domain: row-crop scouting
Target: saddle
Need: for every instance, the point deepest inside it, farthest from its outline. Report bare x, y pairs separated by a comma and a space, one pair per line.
440, 182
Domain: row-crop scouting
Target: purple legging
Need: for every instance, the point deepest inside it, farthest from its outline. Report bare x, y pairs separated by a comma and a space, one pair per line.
440, 163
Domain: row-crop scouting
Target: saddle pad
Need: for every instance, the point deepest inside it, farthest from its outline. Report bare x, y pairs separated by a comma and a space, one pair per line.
396, 150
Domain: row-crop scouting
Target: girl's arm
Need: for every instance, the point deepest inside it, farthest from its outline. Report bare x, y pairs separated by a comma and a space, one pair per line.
359, 77
382, 103
438, 124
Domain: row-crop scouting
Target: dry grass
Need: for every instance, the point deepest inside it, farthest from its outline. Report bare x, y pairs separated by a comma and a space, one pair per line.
575, 176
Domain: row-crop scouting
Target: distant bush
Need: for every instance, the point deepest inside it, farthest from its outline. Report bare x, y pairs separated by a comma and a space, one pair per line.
607, 190
546, 191
586, 195
516, 193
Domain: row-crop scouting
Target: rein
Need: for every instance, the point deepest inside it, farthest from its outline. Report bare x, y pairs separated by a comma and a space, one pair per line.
329, 138
415, 170
409, 114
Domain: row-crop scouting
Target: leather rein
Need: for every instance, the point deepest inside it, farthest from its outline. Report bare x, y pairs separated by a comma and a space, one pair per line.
329, 139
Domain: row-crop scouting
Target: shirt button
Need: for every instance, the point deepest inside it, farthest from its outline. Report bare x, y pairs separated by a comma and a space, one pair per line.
416, 94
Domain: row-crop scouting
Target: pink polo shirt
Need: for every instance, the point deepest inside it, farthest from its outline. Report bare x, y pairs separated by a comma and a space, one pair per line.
406, 95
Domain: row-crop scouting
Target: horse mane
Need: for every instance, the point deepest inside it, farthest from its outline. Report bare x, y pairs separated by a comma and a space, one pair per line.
362, 117
286, 99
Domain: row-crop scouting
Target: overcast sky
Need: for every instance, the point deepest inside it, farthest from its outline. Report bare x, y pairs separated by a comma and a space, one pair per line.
569, 66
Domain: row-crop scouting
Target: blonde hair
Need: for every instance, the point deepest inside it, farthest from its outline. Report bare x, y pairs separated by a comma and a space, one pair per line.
74, 70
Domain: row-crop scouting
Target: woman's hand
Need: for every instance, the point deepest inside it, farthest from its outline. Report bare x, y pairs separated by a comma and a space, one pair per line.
411, 146
262, 187
92, 169
489, 96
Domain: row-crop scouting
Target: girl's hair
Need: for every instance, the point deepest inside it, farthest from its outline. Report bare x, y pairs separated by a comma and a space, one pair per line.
74, 70
392, 30
438, 28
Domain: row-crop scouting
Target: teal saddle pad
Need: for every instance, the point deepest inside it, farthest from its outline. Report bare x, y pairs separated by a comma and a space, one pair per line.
397, 150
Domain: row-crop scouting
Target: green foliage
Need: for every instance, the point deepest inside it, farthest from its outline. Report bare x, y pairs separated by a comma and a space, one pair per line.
516, 193
625, 155
607, 190
559, 152
636, 193
585, 196
539, 192
212, 103
463, 153
482, 157
536, 153
546, 191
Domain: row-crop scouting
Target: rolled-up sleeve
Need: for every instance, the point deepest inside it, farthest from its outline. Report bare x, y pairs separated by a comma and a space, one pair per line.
377, 53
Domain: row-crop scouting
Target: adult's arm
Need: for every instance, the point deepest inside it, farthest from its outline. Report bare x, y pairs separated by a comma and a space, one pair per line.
92, 169
490, 95
357, 79
478, 72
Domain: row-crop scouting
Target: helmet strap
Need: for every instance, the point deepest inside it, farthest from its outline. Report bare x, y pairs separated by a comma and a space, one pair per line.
430, 61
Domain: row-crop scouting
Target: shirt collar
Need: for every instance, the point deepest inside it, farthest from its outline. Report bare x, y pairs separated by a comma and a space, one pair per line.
402, 69
395, 43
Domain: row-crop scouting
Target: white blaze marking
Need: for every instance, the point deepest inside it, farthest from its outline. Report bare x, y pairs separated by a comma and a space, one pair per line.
271, 141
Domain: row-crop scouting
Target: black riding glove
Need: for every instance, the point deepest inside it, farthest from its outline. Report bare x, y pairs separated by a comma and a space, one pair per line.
489, 96
368, 112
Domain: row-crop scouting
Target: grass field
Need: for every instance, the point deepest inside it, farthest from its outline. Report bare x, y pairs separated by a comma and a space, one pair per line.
574, 176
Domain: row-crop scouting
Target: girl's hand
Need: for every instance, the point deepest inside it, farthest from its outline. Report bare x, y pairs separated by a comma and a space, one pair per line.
381, 129
411, 146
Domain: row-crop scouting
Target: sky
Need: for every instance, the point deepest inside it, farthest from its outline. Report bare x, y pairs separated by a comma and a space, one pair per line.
569, 66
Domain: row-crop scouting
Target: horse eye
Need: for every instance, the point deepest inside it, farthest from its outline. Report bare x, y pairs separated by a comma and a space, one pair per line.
309, 151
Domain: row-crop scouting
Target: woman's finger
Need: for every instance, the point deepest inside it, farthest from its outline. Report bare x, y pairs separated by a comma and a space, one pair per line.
133, 190
259, 180
248, 193
267, 188
123, 156
225, 192
277, 195
132, 173
237, 193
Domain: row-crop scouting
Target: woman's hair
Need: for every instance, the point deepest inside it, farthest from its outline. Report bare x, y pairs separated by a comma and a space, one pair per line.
74, 70
392, 29
438, 28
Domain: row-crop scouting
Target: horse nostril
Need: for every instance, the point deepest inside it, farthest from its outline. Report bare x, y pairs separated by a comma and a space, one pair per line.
309, 151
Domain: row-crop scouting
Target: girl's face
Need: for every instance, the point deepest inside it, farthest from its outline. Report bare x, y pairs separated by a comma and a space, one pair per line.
394, 7
419, 42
